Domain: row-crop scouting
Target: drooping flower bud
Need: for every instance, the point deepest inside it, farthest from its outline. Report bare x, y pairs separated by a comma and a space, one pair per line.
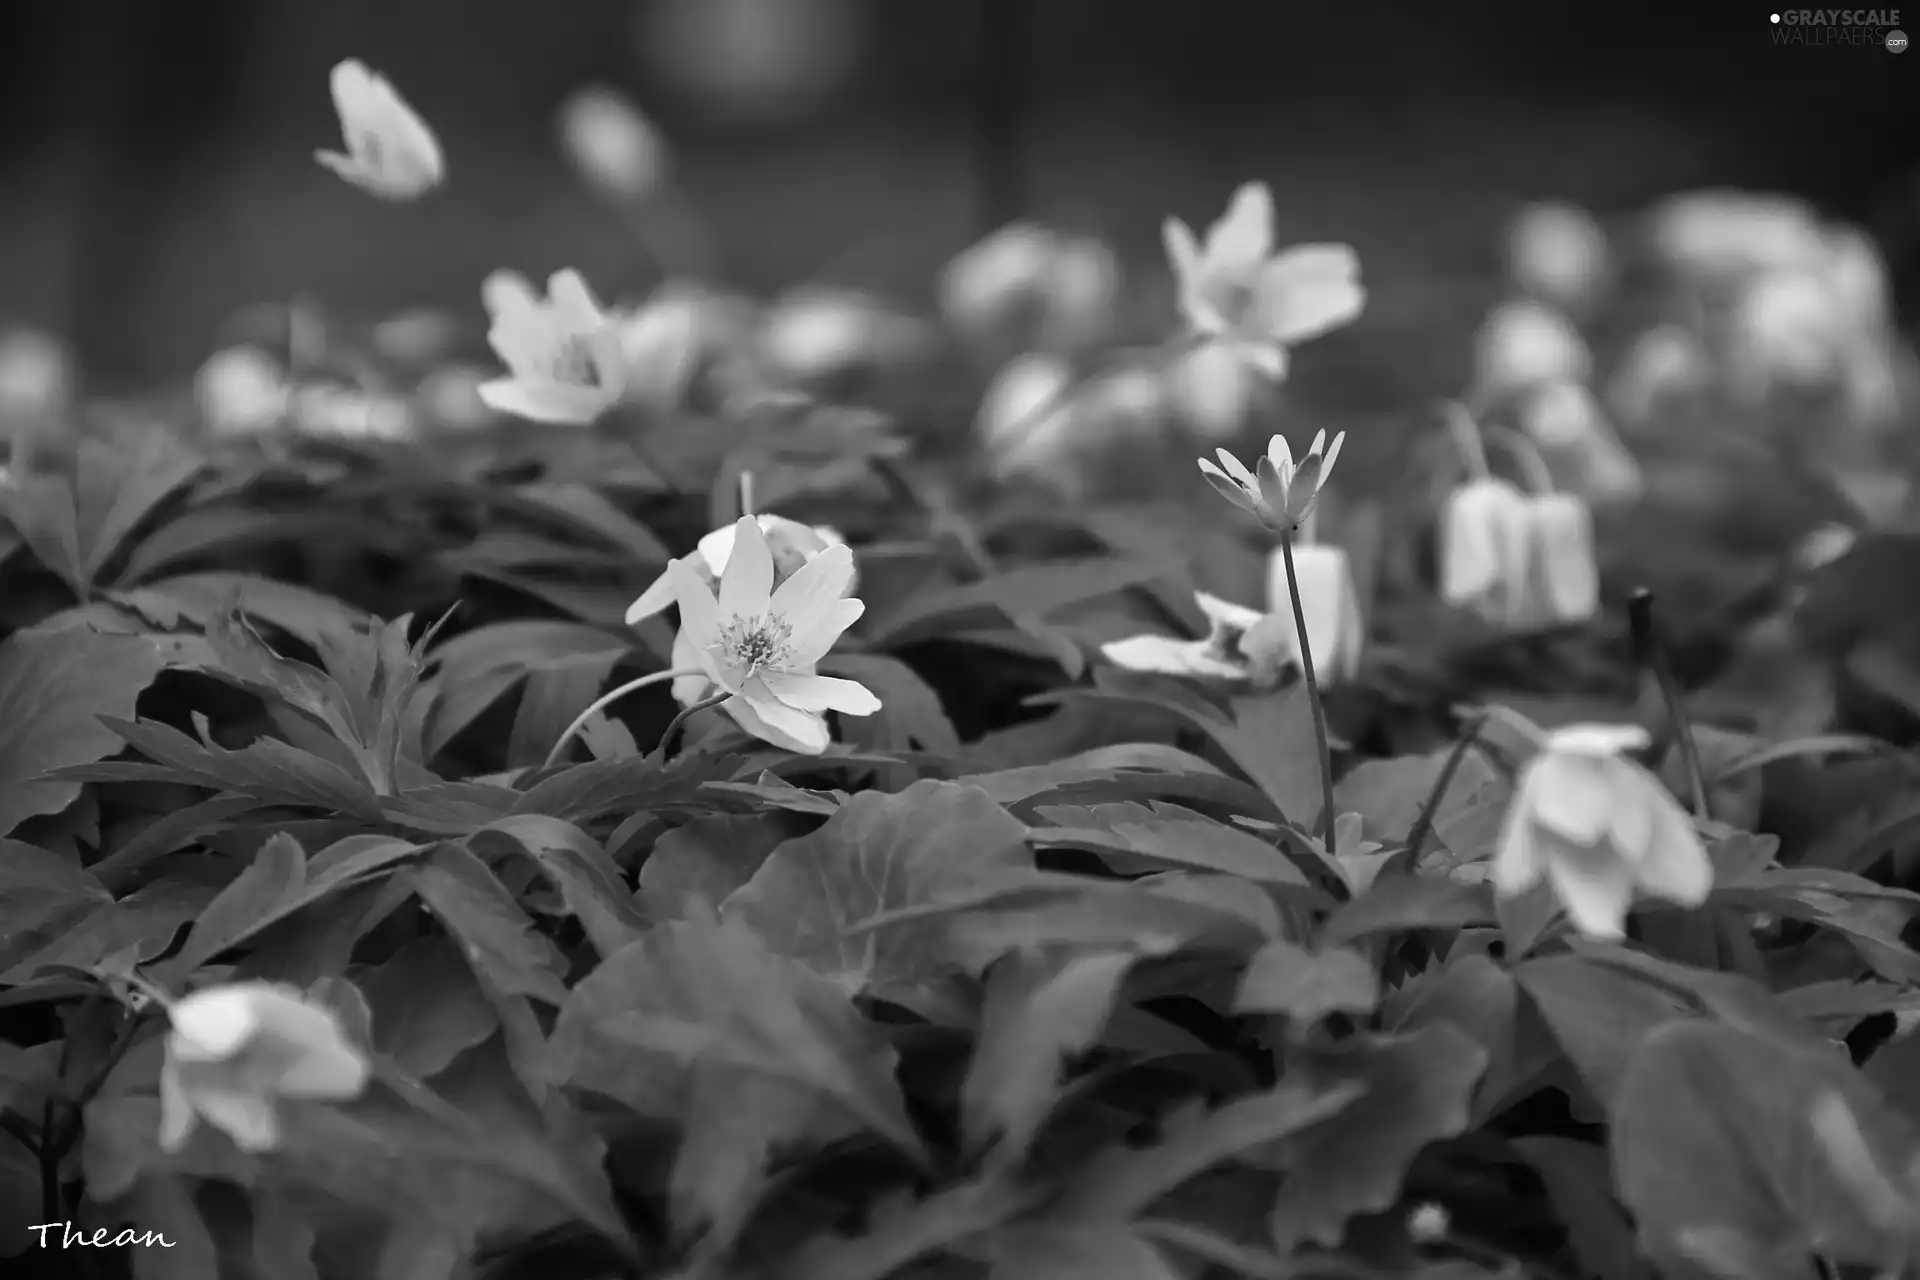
1330, 603
1486, 548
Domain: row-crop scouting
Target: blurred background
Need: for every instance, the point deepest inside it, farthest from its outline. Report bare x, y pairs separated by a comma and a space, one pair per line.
157, 157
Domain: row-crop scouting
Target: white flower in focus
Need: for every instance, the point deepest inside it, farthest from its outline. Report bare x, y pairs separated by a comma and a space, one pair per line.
1217, 655
1719, 234
1564, 575
234, 1051
1486, 551
1582, 450
36, 377
1524, 344
390, 151
760, 643
1665, 364
1598, 827
1558, 254
612, 143
1064, 287
1213, 390
1236, 290
1280, 493
563, 353
241, 391
1330, 601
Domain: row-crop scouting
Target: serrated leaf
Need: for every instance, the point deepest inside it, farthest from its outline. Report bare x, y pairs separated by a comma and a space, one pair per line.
1418, 1090
1395, 903
497, 937
1155, 835
879, 853
55, 687
575, 864
1389, 795
478, 667
277, 872
1871, 917
42, 895
1036, 1015
1305, 985
1031, 591
140, 925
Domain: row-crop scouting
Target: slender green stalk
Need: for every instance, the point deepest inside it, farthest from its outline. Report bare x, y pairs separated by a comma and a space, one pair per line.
1423, 824
1653, 653
601, 703
675, 725
1313, 693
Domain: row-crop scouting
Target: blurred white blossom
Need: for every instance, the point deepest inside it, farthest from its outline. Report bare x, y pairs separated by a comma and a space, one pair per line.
1558, 253
819, 332
1524, 344
663, 342
1027, 423
1583, 453
450, 397
1025, 276
391, 153
1235, 290
1217, 655
1786, 329
612, 143
1330, 602
351, 413
1598, 827
1485, 550
1721, 234
1213, 390
241, 391
1564, 587
563, 354
1666, 364
234, 1051
36, 376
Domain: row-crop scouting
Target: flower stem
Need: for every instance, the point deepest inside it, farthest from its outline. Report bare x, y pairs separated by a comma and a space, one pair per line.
675, 725
1423, 824
1647, 643
603, 701
1466, 439
1313, 693
1527, 453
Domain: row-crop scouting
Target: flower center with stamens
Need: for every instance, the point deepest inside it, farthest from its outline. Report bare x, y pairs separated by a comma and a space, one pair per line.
573, 363
750, 644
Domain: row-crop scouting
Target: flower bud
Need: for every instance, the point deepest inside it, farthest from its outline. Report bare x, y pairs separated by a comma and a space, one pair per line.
36, 378
1523, 345
1330, 602
240, 391
1565, 577
612, 143
1582, 450
1213, 389
1486, 550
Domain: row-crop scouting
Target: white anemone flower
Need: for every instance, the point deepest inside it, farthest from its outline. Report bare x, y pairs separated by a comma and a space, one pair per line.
234, 1051
1238, 291
612, 143
564, 355
1598, 828
760, 643
1217, 655
1278, 491
391, 153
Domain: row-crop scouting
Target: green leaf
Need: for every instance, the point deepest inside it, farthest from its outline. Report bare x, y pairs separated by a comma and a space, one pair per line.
1712, 1128
1389, 795
1868, 915
1418, 1089
1407, 901
1473, 994
910, 712
474, 670
705, 860
1121, 1182
1155, 915
1030, 592
1155, 835
54, 689
879, 853
1037, 1014
42, 896
277, 872
199, 598
499, 940
549, 702
426, 1006
141, 925
575, 864
1598, 1014
1306, 986
750, 1053
1076, 1251
76, 526
1580, 1187
1273, 742
901, 1231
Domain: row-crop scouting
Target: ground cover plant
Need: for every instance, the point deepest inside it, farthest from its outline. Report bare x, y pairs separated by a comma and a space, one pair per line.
641, 792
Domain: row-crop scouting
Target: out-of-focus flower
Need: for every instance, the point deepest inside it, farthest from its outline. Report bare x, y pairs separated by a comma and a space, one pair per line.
760, 643
390, 151
1597, 827
1213, 390
1330, 601
241, 391
789, 543
235, 1051
1522, 345
450, 397
820, 332
1061, 289
760, 60
1217, 655
36, 377
1486, 552
613, 145
1822, 547
1027, 422
563, 353
1857, 274
1428, 1223
1564, 576
1582, 450
1721, 234
663, 342
417, 337
1667, 363
1236, 290
351, 413
1786, 329
1281, 494
1558, 254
